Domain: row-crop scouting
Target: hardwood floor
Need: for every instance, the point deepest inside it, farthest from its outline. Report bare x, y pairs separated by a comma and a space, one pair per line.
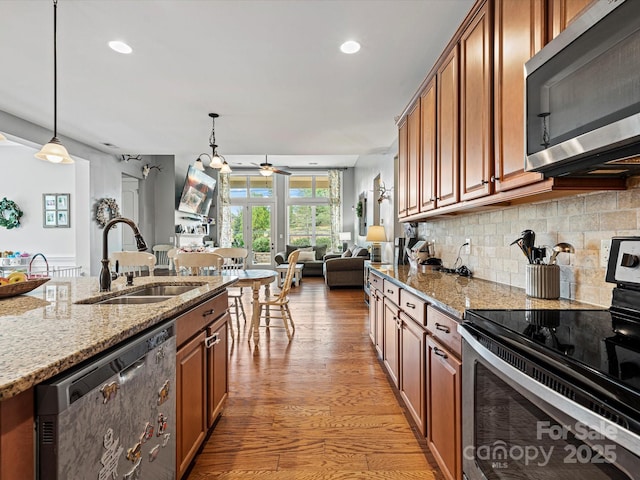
317, 408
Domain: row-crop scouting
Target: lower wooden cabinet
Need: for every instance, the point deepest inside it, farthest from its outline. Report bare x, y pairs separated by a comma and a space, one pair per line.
391, 350
412, 370
201, 375
444, 429
191, 397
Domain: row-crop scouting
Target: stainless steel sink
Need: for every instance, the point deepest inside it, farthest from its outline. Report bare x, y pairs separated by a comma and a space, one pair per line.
151, 294
162, 290
131, 300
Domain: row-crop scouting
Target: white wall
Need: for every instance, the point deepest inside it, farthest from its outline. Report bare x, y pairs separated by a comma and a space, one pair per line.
24, 180
366, 169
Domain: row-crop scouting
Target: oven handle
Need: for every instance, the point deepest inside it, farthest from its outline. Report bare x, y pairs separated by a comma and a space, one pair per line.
605, 427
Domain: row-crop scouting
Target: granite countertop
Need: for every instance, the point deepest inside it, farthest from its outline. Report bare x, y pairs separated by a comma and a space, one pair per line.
455, 294
45, 332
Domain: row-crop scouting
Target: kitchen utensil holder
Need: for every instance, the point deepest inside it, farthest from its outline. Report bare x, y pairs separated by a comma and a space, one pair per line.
542, 281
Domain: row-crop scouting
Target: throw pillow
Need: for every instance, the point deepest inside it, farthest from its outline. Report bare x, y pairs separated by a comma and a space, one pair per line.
306, 256
321, 251
290, 248
346, 254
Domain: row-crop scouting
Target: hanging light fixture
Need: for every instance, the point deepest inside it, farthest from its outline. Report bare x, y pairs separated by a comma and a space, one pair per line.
54, 151
198, 165
217, 161
225, 167
266, 173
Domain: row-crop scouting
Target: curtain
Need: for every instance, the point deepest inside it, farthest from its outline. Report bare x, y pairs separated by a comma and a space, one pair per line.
335, 208
225, 234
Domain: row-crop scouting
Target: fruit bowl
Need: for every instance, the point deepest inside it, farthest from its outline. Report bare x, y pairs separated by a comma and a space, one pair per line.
18, 288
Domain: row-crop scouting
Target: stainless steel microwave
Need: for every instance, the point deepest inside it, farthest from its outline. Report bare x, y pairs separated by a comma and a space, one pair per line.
583, 96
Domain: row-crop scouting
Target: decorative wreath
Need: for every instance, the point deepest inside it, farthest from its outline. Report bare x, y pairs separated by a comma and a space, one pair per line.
106, 210
9, 214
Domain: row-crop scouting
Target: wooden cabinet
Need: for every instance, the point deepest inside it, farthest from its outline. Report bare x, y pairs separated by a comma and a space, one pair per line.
217, 368
412, 370
476, 145
403, 166
562, 13
376, 320
17, 460
201, 375
413, 163
391, 350
519, 34
444, 409
447, 191
428, 144
191, 409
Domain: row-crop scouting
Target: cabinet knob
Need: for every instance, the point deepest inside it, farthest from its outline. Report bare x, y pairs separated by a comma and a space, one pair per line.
411, 305
433, 199
206, 313
494, 179
484, 182
212, 340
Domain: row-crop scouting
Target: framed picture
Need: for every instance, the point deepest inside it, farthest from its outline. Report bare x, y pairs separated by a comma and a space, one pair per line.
55, 208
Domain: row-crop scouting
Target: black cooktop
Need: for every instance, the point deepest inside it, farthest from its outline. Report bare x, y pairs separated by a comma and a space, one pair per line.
596, 343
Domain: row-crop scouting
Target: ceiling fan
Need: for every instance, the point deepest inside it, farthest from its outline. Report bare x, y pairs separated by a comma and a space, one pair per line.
267, 169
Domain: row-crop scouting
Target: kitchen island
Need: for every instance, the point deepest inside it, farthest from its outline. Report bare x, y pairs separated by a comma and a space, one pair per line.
47, 331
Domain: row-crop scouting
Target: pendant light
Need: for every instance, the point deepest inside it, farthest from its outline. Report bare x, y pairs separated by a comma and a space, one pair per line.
54, 151
217, 161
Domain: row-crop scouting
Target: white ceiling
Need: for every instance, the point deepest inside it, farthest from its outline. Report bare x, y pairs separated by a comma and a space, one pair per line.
272, 69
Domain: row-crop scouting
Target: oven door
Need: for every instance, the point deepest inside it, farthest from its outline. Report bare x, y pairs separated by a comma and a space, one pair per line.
514, 427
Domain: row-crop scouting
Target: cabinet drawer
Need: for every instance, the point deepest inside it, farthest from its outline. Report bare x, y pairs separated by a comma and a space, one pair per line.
191, 322
445, 329
413, 306
391, 291
375, 281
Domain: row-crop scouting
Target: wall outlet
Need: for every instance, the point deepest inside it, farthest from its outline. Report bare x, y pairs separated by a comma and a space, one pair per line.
467, 249
605, 248
170, 239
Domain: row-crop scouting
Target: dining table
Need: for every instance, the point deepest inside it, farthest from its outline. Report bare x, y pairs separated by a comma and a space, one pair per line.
255, 279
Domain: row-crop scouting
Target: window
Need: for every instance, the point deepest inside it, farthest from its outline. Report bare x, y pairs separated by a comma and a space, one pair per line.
308, 212
244, 186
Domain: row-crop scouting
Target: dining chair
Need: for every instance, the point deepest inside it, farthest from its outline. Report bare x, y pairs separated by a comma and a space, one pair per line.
133, 262
171, 255
198, 263
162, 259
235, 258
280, 302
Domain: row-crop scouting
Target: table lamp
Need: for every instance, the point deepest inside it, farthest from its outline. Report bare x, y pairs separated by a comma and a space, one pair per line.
376, 235
345, 237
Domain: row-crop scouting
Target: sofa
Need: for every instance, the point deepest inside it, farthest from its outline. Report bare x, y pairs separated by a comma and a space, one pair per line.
312, 263
347, 269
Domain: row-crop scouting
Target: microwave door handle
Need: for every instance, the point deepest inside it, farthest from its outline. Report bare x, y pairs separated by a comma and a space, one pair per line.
516, 378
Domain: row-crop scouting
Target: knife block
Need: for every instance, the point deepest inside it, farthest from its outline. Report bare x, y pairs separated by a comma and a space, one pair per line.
542, 281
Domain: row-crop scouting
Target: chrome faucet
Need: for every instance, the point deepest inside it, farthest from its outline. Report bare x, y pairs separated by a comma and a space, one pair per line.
105, 274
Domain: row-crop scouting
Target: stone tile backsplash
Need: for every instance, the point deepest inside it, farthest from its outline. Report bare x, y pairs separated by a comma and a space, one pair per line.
581, 220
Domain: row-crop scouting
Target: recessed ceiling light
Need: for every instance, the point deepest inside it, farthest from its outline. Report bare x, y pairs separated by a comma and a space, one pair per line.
120, 47
350, 46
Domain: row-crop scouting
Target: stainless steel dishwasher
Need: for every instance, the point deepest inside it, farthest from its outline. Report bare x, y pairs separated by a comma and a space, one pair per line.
114, 417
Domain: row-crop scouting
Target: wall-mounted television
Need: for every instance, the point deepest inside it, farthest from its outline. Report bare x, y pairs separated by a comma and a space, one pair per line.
197, 193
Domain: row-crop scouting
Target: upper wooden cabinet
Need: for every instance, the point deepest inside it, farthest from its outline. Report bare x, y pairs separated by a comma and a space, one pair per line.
403, 161
476, 149
413, 163
562, 12
428, 145
519, 34
447, 191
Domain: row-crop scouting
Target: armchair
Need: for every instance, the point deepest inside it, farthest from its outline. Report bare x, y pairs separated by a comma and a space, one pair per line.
346, 271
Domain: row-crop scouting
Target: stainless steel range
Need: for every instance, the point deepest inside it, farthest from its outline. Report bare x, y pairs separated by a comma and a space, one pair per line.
555, 394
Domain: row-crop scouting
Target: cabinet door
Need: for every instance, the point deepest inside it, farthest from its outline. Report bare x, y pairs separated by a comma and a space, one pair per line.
391, 340
413, 153
412, 370
476, 152
191, 394
447, 126
372, 315
563, 12
403, 165
217, 368
428, 147
518, 35
379, 325
443, 409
